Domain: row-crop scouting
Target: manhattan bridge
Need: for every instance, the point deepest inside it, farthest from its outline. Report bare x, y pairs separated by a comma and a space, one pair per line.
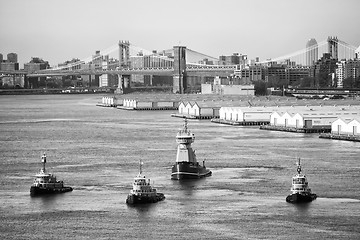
180, 62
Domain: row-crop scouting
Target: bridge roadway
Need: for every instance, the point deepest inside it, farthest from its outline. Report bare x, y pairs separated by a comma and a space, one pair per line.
206, 70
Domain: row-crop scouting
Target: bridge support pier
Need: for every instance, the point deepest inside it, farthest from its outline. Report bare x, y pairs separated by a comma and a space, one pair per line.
124, 84
179, 74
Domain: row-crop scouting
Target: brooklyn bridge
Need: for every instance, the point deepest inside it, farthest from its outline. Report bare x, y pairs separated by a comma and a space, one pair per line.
180, 63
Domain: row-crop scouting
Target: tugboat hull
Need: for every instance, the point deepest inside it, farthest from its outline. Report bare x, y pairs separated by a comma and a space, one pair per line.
36, 191
186, 170
135, 199
300, 198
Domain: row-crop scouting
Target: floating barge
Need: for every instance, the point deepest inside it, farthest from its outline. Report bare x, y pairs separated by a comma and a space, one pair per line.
294, 129
340, 137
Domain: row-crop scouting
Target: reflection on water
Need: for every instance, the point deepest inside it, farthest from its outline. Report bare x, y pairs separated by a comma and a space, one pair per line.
188, 186
47, 201
303, 208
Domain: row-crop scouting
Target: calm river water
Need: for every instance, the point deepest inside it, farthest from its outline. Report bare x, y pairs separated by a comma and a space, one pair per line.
97, 151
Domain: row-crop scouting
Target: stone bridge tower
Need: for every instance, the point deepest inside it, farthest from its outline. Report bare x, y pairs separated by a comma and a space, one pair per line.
333, 47
124, 62
179, 75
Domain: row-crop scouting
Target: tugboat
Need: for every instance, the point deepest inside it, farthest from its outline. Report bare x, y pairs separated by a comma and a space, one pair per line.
186, 166
300, 191
46, 183
142, 191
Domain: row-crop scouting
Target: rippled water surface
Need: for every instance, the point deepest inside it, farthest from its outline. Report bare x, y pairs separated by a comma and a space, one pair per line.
97, 151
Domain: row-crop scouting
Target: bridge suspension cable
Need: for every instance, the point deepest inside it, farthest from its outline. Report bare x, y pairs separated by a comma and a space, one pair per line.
107, 51
300, 57
346, 51
194, 56
298, 54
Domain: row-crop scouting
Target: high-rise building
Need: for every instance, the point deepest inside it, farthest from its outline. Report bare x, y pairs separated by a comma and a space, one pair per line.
347, 69
311, 52
323, 69
12, 57
235, 59
339, 73
297, 73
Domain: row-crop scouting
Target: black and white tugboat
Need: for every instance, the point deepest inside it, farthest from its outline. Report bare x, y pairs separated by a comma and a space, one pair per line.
186, 166
142, 191
300, 191
46, 183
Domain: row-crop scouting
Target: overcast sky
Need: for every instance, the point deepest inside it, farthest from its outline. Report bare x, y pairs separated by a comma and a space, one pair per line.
59, 30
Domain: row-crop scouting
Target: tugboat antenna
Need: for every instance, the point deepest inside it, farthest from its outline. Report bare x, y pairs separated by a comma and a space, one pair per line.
185, 125
299, 166
43, 160
140, 170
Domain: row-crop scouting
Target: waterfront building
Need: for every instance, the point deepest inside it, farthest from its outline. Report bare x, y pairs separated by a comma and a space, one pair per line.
246, 114
315, 117
200, 109
346, 126
1, 58
109, 101
357, 53
311, 52
218, 87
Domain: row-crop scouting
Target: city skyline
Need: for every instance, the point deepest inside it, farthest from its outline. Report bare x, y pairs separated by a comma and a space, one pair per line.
57, 31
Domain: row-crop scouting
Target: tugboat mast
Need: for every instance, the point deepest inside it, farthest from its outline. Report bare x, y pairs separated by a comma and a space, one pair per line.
298, 166
43, 160
140, 167
185, 125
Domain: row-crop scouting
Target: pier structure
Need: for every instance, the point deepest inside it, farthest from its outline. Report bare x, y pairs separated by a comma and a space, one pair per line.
344, 128
309, 119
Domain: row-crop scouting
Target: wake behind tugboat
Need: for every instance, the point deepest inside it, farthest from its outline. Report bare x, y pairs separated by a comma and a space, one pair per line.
186, 166
46, 183
142, 191
300, 191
